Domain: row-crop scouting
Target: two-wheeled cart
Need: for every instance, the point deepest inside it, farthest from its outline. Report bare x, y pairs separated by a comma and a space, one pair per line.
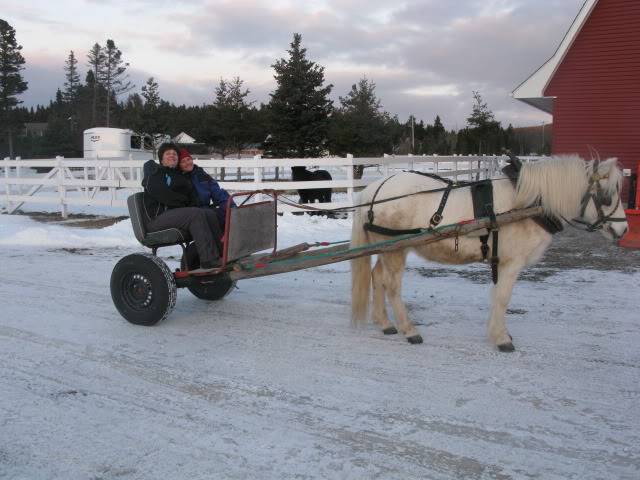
144, 289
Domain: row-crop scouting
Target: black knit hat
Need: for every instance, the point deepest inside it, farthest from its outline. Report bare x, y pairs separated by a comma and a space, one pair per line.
167, 146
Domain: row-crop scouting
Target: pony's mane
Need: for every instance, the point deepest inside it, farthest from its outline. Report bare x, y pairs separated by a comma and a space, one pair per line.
557, 184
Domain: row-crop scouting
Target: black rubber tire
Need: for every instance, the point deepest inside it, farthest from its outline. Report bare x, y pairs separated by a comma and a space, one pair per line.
143, 289
209, 288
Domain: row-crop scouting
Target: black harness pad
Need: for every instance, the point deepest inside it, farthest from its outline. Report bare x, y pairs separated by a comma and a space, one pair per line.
482, 195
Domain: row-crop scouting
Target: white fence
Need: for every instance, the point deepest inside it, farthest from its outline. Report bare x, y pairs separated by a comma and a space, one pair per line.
108, 182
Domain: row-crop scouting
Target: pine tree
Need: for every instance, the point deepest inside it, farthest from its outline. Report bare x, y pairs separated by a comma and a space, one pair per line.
483, 127
233, 130
359, 126
11, 82
150, 94
114, 77
96, 60
148, 114
72, 82
300, 106
440, 145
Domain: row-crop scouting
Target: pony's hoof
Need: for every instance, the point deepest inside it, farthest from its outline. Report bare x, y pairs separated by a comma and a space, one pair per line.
506, 347
415, 339
390, 331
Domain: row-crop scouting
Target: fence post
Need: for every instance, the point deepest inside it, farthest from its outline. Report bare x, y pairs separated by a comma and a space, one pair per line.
111, 169
62, 190
257, 174
131, 168
7, 186
18, 174
385, 165
350, 179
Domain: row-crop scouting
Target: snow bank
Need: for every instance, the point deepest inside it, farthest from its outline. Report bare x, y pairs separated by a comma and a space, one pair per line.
20, 230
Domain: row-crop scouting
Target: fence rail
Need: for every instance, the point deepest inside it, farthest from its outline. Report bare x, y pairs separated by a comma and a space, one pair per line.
108, 181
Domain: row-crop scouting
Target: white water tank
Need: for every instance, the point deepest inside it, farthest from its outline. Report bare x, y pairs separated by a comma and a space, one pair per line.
121, 143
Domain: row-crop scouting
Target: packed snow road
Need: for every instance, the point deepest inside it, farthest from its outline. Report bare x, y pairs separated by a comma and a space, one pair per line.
273, 382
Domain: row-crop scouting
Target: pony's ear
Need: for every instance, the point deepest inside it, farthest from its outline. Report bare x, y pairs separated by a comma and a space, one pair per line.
610, 163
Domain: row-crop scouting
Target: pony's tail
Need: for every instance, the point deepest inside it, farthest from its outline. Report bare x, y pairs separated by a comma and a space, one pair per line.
360, 273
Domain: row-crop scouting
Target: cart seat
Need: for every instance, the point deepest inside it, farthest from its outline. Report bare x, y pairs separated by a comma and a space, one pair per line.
161, 238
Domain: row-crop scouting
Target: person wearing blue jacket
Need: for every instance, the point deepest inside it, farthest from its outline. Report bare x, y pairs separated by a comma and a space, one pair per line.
170, 201
209, 192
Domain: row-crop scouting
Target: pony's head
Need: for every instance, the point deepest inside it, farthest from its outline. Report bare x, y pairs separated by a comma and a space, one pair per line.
570, 188
601, 206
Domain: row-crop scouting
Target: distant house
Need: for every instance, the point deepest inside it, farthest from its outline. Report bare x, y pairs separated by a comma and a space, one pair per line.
35, 129
251, 150
184, 138
591, 84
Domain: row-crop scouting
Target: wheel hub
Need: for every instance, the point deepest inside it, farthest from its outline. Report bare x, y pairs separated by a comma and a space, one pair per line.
137, 291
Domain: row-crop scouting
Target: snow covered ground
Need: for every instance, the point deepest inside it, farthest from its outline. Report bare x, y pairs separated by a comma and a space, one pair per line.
273, 382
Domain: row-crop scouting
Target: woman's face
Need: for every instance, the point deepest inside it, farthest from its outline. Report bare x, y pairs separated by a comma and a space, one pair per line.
186, 164
169, 158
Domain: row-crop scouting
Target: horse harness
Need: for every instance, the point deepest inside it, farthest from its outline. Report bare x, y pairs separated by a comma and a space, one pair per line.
600, 199
482, 195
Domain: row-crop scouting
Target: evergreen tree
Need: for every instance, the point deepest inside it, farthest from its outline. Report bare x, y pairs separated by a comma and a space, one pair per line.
147, 114
150, 94
300, 106
483, 128
114, 77
11, 82
133, 114
231, 107
72, 79
96, 61
438, 138
359, 126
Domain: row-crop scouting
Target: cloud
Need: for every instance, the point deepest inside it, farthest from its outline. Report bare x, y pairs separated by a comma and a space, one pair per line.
426, 56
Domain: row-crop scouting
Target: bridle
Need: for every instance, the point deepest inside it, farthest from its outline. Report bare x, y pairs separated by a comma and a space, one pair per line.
596, 193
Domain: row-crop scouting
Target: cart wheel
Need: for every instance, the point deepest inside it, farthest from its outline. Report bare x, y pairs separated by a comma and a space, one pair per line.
143, 289
209, 288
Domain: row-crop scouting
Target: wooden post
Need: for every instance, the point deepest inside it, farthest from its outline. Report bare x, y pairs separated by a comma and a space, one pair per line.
62, 190
350, 179
131, 168
18, 175
7, 186
86, 179
112, 176
258, 171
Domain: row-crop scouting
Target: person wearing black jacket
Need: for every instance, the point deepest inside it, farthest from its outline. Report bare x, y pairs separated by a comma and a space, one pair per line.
171, 202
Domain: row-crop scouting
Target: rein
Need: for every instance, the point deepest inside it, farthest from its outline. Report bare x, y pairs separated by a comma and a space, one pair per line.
435, 219
482, 196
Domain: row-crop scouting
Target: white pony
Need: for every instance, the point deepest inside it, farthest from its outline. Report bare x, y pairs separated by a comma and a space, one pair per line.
566, 187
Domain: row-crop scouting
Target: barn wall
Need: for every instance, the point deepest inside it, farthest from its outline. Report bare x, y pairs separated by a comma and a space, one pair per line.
597, 86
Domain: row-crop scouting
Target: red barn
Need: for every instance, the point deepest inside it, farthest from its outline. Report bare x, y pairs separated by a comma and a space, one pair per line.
591, 84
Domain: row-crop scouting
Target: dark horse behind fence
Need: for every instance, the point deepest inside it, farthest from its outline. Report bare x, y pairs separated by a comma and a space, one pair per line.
322, 195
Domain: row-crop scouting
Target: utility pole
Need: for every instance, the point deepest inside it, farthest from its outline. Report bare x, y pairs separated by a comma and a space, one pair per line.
542, 151
413, 140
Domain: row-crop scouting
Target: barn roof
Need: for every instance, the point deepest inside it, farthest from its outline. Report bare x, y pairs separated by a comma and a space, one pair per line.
531, 91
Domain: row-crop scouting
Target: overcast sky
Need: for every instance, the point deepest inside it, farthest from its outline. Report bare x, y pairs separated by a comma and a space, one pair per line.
425, 56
